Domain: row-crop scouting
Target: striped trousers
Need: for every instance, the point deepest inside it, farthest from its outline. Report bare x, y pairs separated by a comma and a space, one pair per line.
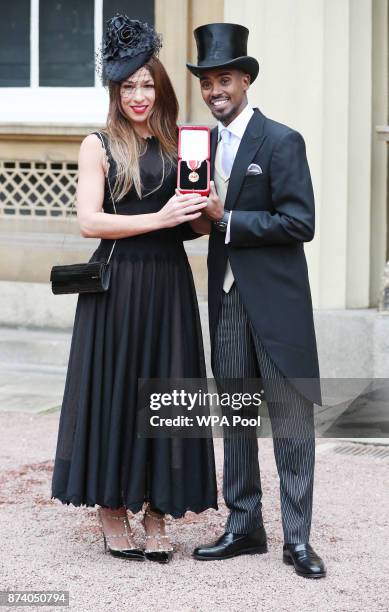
239, 354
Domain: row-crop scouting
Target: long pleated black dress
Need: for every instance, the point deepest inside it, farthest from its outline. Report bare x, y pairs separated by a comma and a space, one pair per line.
146, 326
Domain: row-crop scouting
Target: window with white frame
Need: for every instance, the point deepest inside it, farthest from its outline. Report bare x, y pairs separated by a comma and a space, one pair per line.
52, 43
47, 57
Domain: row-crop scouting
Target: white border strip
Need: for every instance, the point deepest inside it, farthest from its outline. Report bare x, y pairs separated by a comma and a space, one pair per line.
98, 33
34, 44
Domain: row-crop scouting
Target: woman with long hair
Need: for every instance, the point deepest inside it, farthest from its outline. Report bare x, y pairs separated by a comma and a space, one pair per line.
146, 326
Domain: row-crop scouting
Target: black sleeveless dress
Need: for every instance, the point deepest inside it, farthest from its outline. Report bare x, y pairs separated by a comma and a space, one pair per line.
146, 325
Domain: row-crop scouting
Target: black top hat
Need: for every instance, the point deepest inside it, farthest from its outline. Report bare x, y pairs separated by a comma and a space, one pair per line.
128, 45
222, 45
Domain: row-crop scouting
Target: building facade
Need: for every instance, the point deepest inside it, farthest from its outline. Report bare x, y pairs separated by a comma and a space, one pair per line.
323, 71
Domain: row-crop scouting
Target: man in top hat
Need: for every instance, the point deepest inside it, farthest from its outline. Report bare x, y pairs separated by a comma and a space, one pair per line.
260, 312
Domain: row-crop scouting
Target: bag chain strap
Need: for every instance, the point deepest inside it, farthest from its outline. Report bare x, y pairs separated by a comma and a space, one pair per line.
113, 202
110, 191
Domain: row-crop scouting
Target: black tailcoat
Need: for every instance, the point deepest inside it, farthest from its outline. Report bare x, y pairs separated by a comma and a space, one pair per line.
273, 215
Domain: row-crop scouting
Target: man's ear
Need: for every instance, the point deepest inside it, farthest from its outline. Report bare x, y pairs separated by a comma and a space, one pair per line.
246, 81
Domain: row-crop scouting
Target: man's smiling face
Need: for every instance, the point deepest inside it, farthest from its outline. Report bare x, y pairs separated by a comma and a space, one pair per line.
224, 92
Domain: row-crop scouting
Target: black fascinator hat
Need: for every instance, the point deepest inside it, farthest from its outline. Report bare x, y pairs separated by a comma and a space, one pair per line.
128, 44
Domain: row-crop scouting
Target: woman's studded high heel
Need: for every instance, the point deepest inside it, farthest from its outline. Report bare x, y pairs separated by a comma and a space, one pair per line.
158, 547
133, 553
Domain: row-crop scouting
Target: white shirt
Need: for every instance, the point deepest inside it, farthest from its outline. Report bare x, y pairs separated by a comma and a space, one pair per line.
237, 127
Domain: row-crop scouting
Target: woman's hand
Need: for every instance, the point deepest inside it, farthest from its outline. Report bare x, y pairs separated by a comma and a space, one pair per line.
181, 208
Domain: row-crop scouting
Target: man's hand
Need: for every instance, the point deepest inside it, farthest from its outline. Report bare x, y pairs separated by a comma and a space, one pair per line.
215, 207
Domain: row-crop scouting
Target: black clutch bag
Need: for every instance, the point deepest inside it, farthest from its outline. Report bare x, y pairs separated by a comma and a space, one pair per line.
90, 277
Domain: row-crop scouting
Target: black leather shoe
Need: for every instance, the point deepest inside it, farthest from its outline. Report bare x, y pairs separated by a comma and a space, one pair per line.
233, 544
306, 562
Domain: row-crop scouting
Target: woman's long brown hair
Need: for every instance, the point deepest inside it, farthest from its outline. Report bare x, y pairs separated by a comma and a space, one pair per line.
126, 146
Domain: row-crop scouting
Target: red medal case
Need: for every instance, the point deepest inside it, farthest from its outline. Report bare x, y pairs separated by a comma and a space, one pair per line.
193, 173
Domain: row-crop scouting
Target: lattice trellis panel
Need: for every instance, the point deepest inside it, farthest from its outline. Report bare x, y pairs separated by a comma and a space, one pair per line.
45, 189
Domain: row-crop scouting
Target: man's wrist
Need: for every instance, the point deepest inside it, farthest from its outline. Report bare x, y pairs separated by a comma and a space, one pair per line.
212, 217
222, 223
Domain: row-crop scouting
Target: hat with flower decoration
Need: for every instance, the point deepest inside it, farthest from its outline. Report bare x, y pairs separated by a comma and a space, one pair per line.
128, 44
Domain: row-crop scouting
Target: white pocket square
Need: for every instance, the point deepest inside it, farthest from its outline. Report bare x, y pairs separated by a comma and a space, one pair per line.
253, 169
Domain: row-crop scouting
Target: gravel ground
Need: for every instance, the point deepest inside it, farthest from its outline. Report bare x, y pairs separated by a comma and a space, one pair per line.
47, 545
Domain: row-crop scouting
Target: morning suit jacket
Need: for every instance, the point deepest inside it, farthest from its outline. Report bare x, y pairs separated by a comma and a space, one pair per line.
273, 215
